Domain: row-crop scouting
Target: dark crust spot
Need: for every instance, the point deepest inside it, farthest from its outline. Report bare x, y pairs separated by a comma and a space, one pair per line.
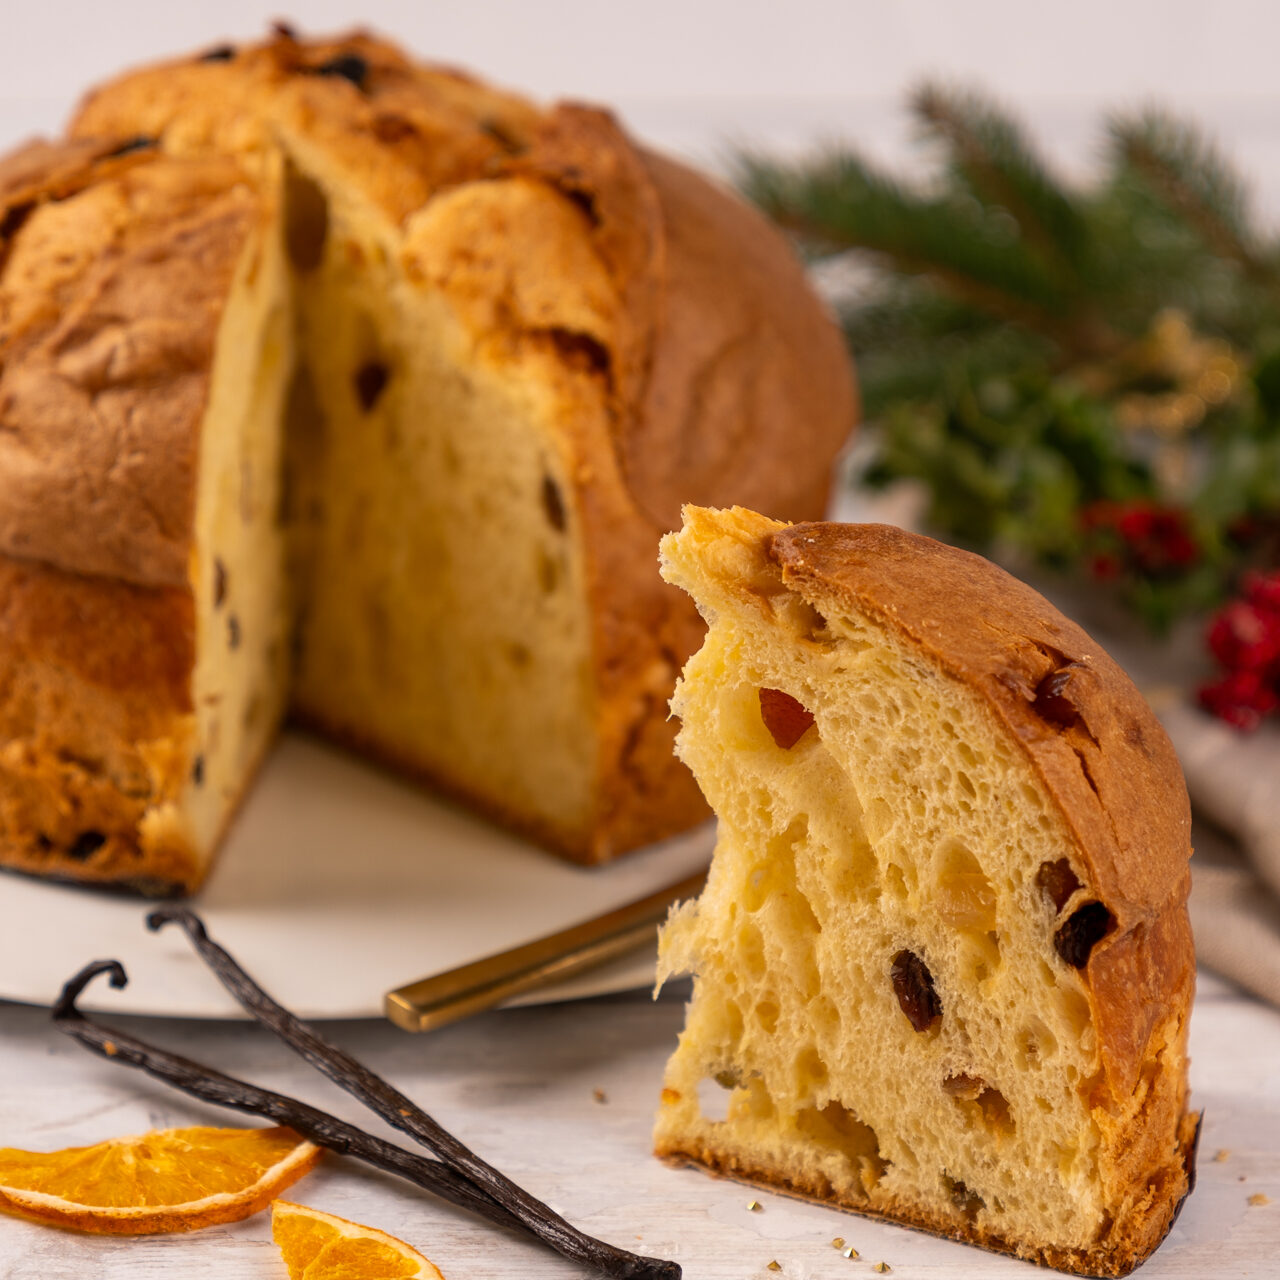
219, 53
14, 217
197, 771
86, 844
968, 1202
785, 717
219, 583
43, 843
1189, 1164
306, 226
553, 504
285, 30
1057, 881
500, 134
913, 985
370, 382
141, 142
233, 632
346, 66
1052, 701
583, 199
580, 350
1082, 930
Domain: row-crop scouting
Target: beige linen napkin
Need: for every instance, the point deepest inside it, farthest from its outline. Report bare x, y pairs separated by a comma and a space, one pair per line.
1234, 782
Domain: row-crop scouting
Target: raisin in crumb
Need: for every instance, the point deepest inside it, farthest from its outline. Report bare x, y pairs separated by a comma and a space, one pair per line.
913, 985
785, 717
233, 632
1057, 881
553, 504
1083, 929
219, 583
197, 771
370, 381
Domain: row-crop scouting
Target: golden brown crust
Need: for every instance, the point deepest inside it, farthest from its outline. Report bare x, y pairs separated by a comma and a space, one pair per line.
1125, 1247
110, 300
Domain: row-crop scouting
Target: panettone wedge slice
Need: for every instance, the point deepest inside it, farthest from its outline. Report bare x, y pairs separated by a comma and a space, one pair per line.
943, 967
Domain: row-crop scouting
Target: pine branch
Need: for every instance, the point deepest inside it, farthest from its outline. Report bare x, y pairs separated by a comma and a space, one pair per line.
996, 161
1015, 361
1194, 180
839, 202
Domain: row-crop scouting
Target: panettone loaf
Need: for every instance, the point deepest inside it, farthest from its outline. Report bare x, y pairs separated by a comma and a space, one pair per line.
943, 967
335, 382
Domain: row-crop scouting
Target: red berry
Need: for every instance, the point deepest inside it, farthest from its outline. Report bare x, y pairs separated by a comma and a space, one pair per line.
1241, 698
1243, 635
1137, 523
1263, 590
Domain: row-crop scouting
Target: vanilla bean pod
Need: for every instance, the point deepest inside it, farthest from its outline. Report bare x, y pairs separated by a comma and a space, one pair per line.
226, 1091
402, 1113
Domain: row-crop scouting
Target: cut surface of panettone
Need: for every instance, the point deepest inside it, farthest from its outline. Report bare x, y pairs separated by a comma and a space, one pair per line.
341, 386
942, 965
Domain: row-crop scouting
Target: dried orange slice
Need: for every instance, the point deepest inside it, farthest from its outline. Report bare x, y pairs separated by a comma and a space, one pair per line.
320, 1246
167, 1180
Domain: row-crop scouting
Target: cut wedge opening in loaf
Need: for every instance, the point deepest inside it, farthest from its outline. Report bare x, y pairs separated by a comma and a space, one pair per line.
423, 574
892, 957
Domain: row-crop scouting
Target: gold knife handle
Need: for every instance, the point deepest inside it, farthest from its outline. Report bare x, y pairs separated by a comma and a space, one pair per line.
471, 988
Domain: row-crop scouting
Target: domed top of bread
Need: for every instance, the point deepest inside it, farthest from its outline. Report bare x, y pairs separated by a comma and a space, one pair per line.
716, 352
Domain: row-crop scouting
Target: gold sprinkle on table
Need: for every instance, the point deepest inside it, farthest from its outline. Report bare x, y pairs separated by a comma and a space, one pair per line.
849, 1252
1258, 1198
838, 1242
775, 1265
753, 1205
599, 1095
1221, 1155
883, 1268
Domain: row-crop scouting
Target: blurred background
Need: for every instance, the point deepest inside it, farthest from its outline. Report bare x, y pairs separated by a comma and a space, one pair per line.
693, 74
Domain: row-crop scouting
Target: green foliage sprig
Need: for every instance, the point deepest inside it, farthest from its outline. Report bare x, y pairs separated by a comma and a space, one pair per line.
1087, 376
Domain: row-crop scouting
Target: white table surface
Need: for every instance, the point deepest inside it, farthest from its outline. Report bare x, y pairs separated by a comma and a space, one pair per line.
519, 1086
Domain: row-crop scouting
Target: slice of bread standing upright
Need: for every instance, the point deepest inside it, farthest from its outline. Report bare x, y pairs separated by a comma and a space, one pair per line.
943, 962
